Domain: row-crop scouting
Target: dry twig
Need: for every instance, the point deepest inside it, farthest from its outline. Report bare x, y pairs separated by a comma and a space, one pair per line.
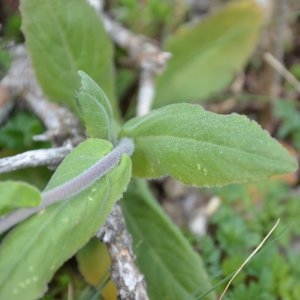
21, 83
130, 283
61, 124
34, 158
144, 52
146, 55
282, 70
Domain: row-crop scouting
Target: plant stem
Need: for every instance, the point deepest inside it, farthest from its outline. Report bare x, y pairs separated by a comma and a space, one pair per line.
73, 186
34, 158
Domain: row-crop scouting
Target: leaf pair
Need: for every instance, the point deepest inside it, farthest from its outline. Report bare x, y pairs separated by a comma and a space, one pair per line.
184, 141
36, 248
51, 237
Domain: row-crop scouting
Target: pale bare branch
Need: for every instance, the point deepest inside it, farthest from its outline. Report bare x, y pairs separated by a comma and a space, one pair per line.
144, 52
20, 81
128, 279
34, 158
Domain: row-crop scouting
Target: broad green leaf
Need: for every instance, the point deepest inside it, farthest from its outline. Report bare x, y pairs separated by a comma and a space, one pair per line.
203, 148
206, 56
94, 108
63, 37
171, 268
17, 194
35, 249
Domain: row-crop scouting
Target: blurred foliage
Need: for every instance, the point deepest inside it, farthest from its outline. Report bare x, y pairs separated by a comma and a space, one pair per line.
94, 263
36, 176
17, 133
289, 114
66, 281
138, 15
246, 215
247, 212
5, 61
11, 21
12, 28
206, 55
295, 70
55, 65
17, 194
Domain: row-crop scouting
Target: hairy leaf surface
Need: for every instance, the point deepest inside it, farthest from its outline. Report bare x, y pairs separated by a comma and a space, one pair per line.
35, 249
63, 37
206, 56
203, 148
171, 267
17, 194
94, 108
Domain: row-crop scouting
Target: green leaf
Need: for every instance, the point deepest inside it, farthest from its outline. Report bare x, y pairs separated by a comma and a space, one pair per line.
94, 108
203, 148
206, 56
17, 194
63, 37
171, 267
5, 60
35, 249
94, 264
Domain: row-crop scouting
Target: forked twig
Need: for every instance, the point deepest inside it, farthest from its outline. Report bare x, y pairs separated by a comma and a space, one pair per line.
144, 52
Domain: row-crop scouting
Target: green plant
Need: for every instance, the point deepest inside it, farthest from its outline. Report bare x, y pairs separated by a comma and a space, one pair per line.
288, 112
181, 140
273, 272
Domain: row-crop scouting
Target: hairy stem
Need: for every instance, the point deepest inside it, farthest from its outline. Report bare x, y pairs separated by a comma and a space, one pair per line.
73, 186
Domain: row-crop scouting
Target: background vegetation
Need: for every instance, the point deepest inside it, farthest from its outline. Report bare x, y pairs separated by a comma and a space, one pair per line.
225, 224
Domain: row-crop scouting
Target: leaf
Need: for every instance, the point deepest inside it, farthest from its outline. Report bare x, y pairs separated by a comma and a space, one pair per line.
171, 268
94, 108
203, 148
17, 194
63, 37
35, 249
94, 263
206, 56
